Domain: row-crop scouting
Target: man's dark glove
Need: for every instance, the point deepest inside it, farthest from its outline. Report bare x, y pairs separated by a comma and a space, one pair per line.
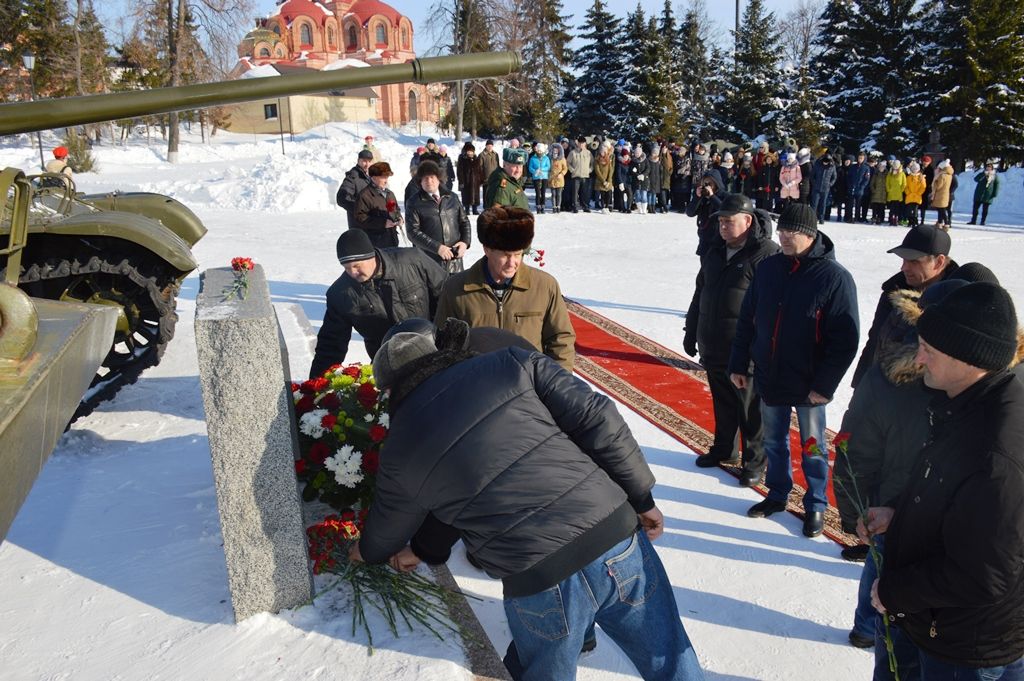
690, 345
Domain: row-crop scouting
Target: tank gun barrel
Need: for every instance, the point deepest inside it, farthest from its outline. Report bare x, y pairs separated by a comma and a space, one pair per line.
57, 113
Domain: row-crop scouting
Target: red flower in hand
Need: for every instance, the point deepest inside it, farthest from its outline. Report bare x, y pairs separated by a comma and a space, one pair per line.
841, 438
811, 447
391, 205
378, 432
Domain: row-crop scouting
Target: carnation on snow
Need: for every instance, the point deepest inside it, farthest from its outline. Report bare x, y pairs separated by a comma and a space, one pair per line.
311, 423
346, 466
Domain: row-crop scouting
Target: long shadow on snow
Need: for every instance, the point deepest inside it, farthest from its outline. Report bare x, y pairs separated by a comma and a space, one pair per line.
137, 517
168, 395
597, 305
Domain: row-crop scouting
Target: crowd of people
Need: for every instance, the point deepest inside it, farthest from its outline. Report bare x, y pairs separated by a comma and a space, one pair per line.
931, 474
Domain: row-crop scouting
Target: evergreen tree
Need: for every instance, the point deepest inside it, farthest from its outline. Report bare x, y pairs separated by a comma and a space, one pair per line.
717, 88
636, 119
593, 101
545, 57
832, 71
668, 70
981, 110
754, 85
868, 91
46, 27
801, 112
695, 72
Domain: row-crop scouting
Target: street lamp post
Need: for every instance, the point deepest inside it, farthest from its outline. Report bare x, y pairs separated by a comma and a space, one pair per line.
29, 60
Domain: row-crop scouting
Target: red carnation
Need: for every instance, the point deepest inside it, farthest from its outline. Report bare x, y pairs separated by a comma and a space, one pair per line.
330, 401
371, 462
351, 370
242, 264
378, 432
841, 438
348, 515
811, 446
305, 404
328, 421
294, 386
367, 395
300, 466
318, 453
391, 205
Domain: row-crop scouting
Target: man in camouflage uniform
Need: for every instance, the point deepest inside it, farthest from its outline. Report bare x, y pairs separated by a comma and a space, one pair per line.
505, 186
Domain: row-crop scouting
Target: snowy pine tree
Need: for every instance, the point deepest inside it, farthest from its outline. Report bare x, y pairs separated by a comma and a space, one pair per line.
695, 72
980, 64
831, 68
593, 102
752, 101
545, 56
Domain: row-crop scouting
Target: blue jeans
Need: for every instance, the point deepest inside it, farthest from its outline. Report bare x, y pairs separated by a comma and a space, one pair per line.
866, 617
640, 196
627, 592
779, 478
915, 665
819, 202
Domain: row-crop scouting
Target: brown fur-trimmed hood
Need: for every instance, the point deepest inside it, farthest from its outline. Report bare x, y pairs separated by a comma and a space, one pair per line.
896, 356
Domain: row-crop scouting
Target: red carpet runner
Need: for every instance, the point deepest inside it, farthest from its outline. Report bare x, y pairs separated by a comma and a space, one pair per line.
670, 391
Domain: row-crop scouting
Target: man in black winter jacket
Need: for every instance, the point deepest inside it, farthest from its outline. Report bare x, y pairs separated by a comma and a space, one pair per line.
925, 255
952, 578
380, 287
356, 180
726, 271
436, 219
546, 487
799, 327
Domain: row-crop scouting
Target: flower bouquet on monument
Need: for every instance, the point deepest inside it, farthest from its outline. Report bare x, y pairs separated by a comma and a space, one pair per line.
343, 423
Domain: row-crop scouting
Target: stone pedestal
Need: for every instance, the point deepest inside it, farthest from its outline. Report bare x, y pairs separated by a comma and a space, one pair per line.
245, 382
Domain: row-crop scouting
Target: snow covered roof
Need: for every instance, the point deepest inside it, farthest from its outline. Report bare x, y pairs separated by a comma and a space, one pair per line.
344, 64
261, 71
294, 8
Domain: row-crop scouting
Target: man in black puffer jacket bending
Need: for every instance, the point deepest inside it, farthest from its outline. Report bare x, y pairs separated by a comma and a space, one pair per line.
546, 487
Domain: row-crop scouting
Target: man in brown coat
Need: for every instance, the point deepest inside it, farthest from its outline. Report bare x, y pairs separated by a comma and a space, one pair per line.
489, 161
500, 291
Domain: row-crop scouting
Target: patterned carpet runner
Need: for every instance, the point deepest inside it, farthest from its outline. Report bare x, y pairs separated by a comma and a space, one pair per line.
671, 392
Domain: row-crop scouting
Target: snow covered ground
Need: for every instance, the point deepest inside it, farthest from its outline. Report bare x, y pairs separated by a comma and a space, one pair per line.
114, 567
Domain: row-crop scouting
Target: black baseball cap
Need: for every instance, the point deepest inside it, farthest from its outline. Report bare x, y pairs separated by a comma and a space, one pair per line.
733, 204
921, 241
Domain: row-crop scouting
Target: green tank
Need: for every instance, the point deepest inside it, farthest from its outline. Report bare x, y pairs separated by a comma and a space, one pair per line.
132, 251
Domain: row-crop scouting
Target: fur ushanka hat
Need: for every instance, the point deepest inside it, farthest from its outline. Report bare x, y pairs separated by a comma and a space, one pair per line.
505, 228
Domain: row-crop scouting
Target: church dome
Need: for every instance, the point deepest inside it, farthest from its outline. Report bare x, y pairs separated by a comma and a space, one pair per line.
364, 9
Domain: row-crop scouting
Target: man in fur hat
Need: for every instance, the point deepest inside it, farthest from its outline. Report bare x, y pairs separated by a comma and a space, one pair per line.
505, 185
500, 290
952, 579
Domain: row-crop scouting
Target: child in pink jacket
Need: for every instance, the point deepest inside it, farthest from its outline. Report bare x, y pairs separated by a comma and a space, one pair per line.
789, 179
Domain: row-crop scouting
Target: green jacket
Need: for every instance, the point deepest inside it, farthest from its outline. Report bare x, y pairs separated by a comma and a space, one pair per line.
502, 190
533, 309
985, 192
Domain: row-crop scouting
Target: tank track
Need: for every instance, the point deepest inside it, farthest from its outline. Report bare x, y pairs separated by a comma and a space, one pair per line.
59, 275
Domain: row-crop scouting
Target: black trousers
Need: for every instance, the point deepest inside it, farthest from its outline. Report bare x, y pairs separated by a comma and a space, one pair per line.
737, 421
984, 212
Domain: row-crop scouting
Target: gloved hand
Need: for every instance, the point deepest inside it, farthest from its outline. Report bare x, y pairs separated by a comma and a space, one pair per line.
640, 177
690, 345
622, 187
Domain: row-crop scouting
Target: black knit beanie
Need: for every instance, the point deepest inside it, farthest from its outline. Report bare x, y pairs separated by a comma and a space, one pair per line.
354, 244
975, 324
798, 217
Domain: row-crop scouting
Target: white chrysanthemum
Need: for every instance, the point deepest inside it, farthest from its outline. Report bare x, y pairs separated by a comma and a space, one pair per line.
310, 423
346, 466
384, 420
368, 418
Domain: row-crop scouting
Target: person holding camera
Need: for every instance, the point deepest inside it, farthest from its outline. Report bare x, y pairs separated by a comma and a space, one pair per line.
704, 206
